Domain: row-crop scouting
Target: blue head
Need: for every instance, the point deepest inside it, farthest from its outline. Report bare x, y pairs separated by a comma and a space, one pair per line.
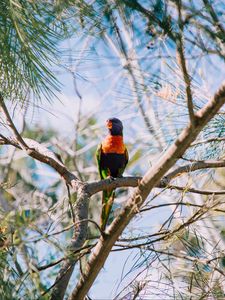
115, 126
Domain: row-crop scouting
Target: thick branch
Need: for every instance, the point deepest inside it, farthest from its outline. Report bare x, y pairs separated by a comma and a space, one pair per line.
150, 180
44, 155
95, 187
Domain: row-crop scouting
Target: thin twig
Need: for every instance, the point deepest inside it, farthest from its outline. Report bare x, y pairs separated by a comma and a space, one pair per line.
175, 255
196, 191
215, 18
182, 61
222, 139
188, 204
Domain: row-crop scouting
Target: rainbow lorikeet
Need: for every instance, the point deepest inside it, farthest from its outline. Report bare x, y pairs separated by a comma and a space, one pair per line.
112, 158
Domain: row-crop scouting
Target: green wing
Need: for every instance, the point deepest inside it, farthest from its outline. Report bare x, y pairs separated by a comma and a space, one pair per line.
104, 173
98, 159
107, 196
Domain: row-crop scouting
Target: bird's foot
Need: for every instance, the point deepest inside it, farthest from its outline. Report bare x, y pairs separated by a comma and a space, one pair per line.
111, 178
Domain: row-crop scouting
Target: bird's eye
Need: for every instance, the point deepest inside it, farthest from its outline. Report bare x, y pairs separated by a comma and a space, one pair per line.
109, 124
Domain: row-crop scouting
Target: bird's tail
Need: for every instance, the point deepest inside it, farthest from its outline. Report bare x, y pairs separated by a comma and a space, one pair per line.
107, 203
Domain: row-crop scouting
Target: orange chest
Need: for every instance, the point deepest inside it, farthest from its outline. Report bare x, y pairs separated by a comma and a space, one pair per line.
113, 144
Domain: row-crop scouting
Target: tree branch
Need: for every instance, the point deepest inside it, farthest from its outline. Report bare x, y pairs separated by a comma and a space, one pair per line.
44, 155
182, 61
199, 165
195, 191
222, 139
198, 260
188, 204
150, 180
11, 125
97, 186
79, 238
215, 18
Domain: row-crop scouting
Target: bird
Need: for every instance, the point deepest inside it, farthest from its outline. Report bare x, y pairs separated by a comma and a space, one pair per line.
112, 158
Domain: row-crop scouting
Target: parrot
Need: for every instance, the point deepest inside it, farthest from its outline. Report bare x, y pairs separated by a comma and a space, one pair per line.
112, 158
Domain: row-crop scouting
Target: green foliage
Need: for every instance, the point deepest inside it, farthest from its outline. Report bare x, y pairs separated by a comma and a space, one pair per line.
7, 286
28, 40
